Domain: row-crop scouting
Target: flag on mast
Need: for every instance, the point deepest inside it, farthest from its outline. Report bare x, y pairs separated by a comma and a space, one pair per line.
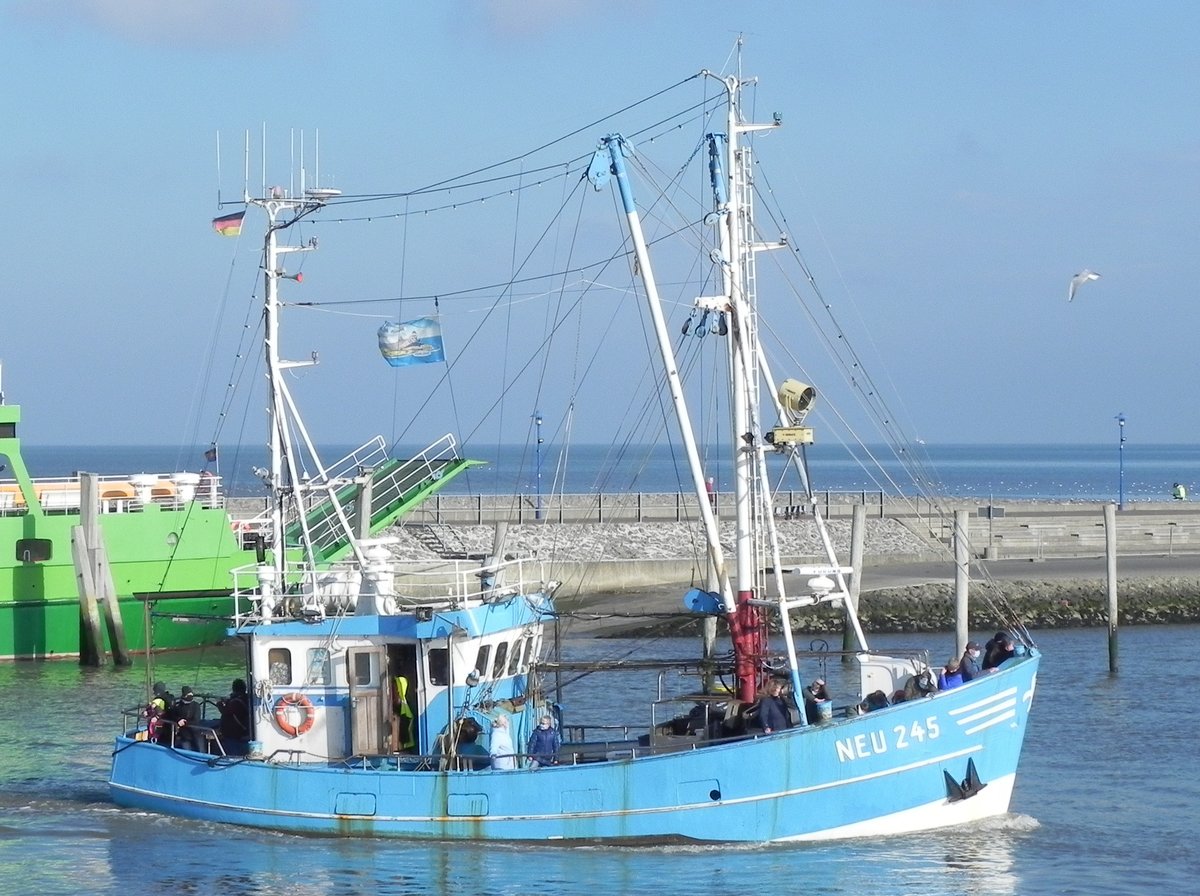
229, 225
411, 342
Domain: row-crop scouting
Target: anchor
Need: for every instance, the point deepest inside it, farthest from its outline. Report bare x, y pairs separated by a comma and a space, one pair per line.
967, 787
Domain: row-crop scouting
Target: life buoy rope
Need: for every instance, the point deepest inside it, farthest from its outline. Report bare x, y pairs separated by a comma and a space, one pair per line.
283, 714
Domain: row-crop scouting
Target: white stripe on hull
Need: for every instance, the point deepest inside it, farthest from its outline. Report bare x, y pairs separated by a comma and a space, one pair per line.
991, 801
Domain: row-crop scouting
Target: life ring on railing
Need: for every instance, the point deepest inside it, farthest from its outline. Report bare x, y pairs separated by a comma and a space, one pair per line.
283, 714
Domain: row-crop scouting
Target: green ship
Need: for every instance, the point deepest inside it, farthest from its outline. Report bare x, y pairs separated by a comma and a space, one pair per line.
171, 544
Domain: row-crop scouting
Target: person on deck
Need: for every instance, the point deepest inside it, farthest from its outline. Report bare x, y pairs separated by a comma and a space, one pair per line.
185, 716
772, 711
500, 747
997, 650
235, 713
159, 711
470, 754
951, 676
403, 739
814, 695
969, 664
544, 743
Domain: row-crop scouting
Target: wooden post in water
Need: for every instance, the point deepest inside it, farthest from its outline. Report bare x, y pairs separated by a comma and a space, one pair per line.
962, 579
1110, 554
97, 594
91, 638
858, 526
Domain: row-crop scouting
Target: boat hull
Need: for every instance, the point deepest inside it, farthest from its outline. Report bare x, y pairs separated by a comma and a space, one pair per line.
893, 771
182, 559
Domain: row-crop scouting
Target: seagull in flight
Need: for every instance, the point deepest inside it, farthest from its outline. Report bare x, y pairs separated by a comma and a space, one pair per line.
1078, 280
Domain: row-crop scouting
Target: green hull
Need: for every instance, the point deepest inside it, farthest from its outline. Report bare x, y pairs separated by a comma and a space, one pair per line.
181, 558
164, 548
50, 629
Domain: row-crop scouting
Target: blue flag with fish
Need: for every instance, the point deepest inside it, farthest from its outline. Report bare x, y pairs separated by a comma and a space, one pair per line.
411, 342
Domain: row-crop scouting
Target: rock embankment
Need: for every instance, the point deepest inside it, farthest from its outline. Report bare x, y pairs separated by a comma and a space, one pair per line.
1069, 603
1062, 603
883, 538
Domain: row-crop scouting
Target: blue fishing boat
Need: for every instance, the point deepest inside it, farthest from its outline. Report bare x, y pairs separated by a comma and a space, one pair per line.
401, 700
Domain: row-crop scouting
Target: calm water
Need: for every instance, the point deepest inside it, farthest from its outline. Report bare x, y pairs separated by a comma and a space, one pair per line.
1107, 802
1059, 472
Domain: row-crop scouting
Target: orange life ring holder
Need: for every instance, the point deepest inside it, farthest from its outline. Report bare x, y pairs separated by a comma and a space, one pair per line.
283, 715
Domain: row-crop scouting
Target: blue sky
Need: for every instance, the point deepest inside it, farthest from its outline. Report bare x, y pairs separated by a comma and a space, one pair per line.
953, 164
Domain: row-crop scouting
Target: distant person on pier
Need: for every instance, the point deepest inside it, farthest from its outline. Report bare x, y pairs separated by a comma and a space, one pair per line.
1179, 491
969, 664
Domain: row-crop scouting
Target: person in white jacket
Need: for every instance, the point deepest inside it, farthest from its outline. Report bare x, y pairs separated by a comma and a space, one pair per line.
500, 747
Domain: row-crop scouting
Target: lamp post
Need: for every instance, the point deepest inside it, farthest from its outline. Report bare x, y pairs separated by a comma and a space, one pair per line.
537, 421
1121, 462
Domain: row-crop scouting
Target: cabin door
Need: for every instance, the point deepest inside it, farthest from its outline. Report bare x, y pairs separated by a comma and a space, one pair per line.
366, 668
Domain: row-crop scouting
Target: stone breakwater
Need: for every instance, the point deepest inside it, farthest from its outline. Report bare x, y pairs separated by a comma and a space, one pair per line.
676, 549
883, 539
1069, 603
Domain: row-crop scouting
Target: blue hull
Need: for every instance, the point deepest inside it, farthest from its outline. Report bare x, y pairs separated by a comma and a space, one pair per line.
878, 774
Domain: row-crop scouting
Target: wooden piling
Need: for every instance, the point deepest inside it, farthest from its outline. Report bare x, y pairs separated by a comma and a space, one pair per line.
91, 638
1110, 554
858, 534
97, 594
962, 581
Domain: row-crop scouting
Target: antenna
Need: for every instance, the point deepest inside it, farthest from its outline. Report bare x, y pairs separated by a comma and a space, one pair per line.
218, 169
303, 179
263, 170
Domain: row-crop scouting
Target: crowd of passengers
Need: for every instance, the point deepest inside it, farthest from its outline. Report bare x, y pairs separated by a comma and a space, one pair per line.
179, 721
771, 712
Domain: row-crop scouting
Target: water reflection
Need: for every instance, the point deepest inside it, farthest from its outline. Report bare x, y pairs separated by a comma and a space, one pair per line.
211, 860
1105, 762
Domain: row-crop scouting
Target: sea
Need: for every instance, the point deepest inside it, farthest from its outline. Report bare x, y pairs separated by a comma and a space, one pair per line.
1107, 802
1107, 799
1122, 473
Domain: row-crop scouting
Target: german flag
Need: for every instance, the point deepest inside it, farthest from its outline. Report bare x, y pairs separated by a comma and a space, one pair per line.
229, 225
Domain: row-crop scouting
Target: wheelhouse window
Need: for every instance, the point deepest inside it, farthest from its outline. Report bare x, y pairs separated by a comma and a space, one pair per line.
362, 671
528, 658
439, 665
501, 657
481, 660
279, 662
320, 666
514, 659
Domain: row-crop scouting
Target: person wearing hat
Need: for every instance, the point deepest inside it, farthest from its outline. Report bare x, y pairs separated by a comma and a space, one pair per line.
185, 716
814, 695
162, 699
997, 650
235, 713
951, 676
159, 713
969, 664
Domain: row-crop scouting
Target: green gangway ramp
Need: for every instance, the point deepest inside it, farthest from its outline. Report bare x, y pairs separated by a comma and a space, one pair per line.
397, 487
